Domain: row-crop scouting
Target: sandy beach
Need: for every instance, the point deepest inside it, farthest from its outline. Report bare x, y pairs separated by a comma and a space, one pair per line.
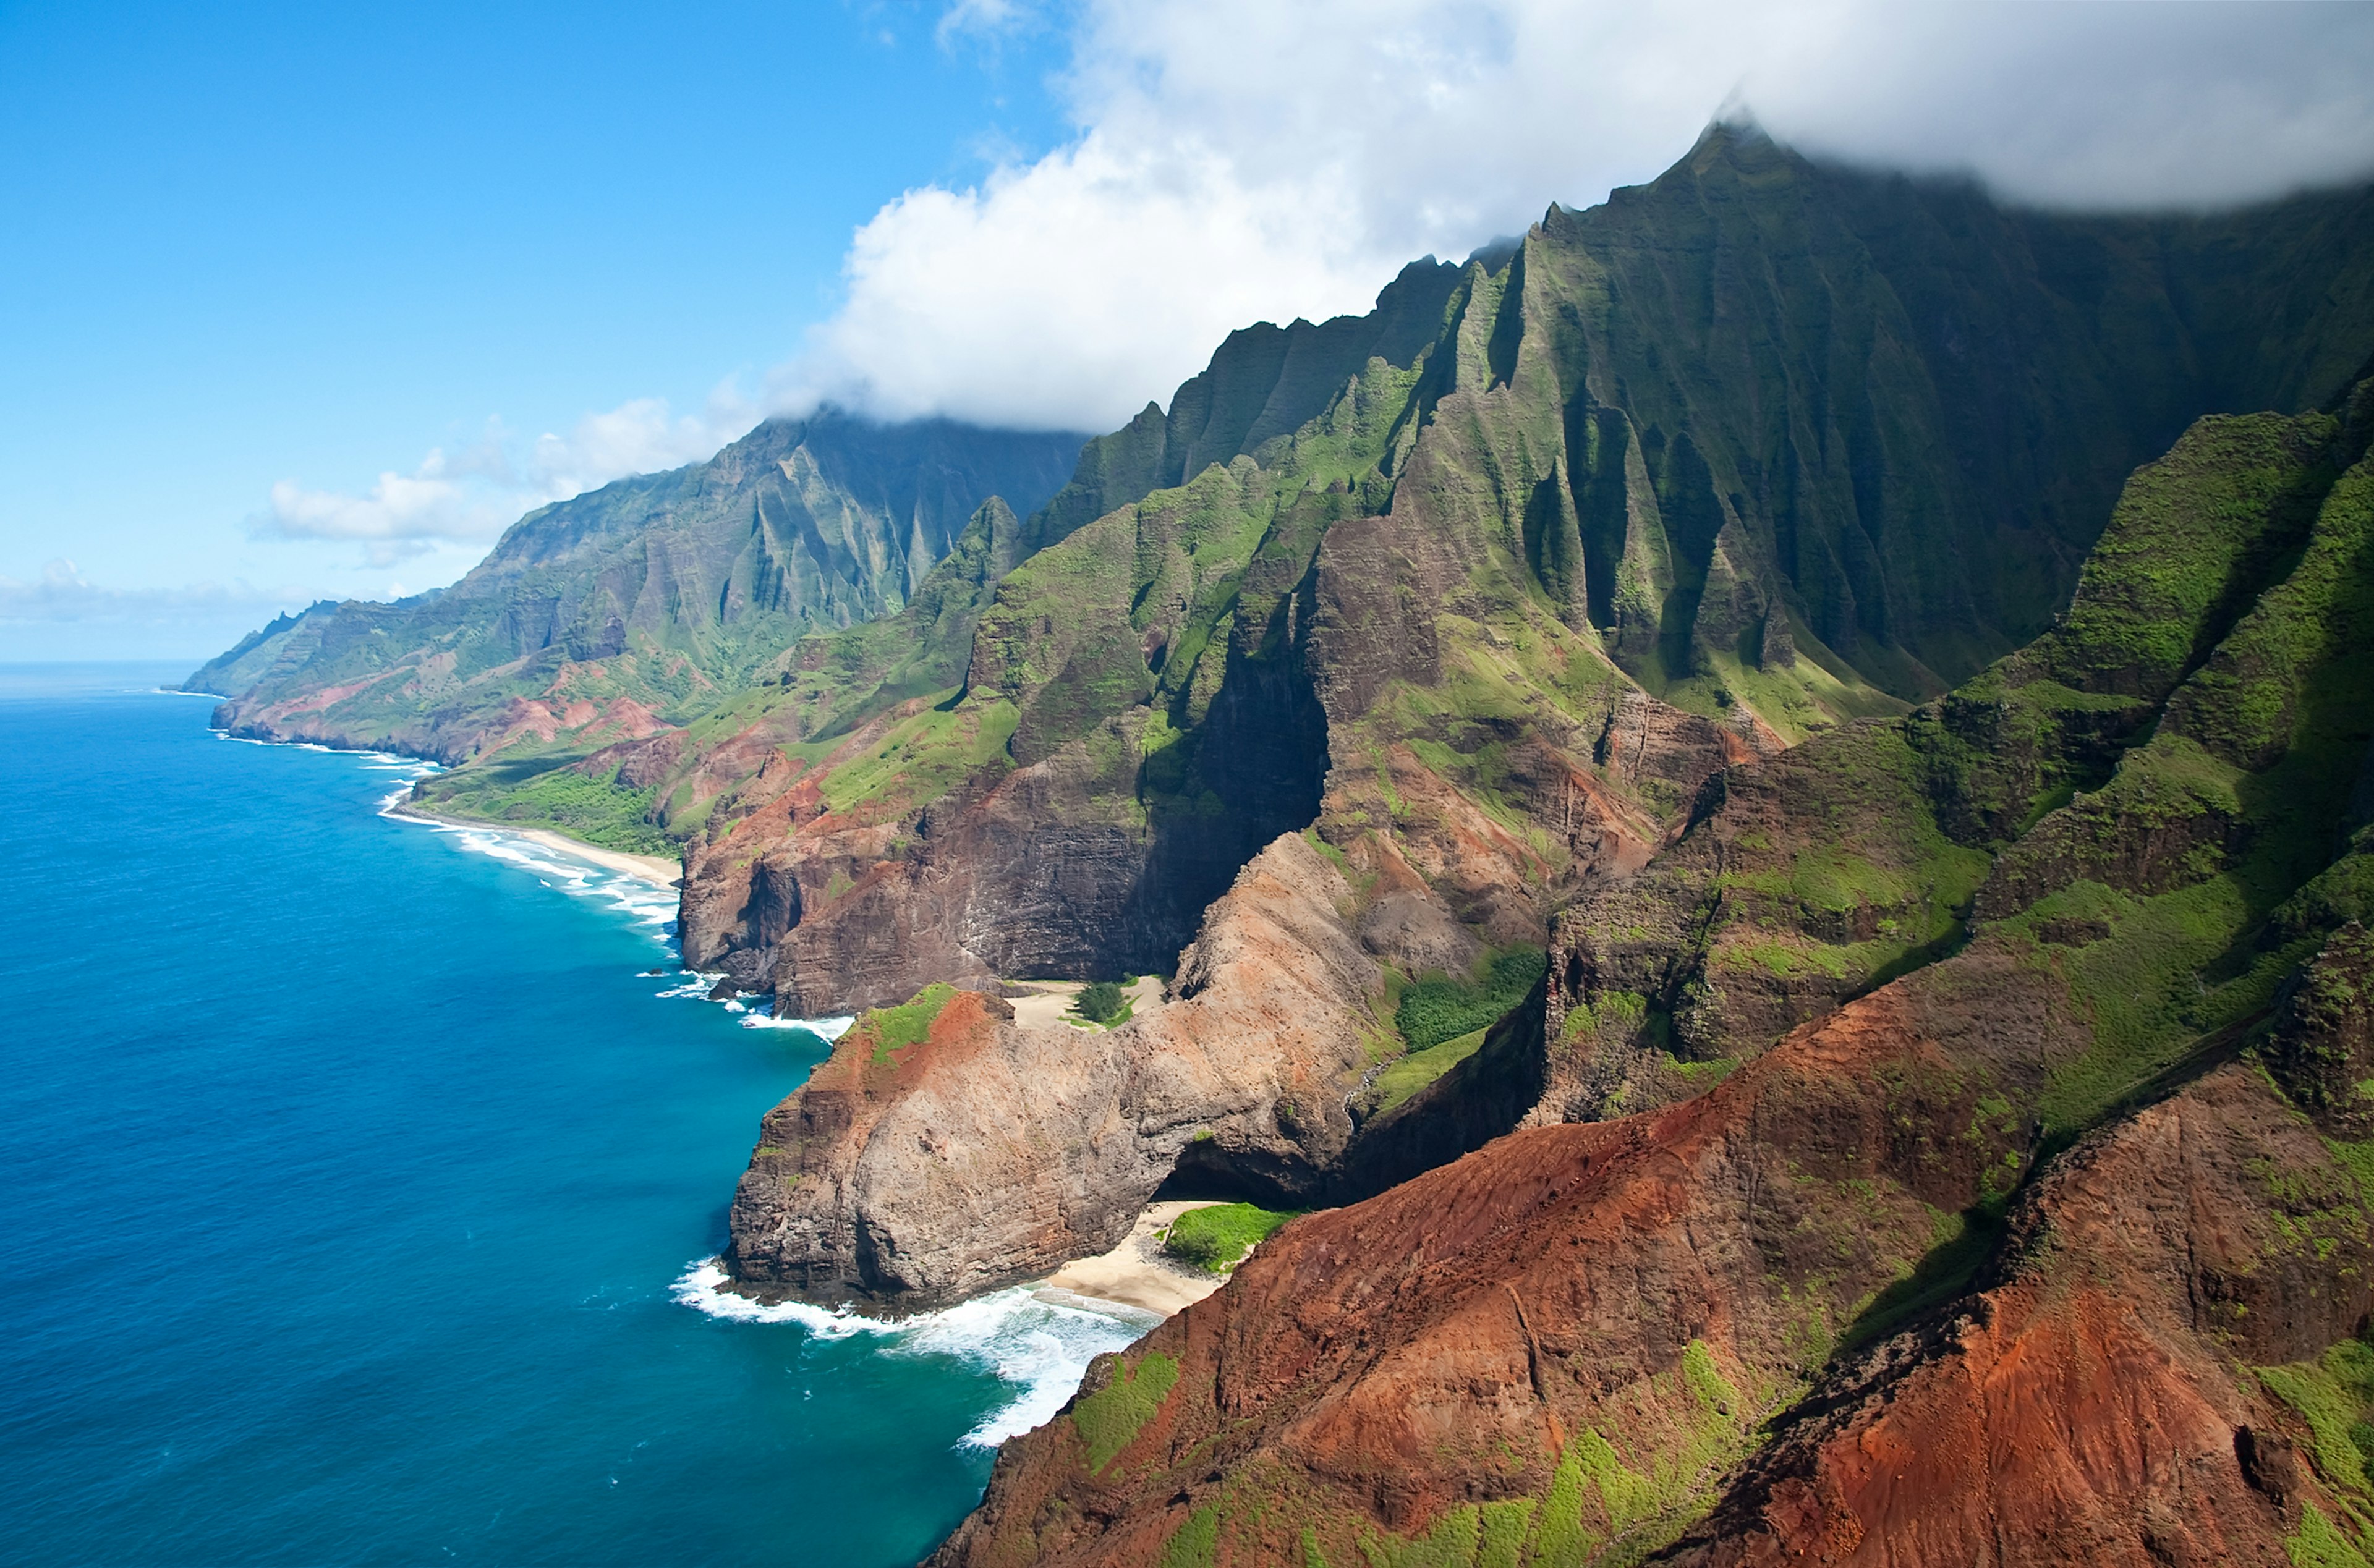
1138, 1273
1050, 1003
653, 868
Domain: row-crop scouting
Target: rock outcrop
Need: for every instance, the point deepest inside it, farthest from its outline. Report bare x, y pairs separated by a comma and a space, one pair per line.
1559, 1349
2096, 1401
1486, 584
946, 1149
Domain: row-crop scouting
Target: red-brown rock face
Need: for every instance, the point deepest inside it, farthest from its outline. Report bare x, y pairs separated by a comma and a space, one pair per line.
1557, 1349
2095, 1404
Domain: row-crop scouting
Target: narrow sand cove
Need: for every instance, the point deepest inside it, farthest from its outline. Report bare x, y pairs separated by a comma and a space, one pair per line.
656, 870
1050, 1002
1137, 1273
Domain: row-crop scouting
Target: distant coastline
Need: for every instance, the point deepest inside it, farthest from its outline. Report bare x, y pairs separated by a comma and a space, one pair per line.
656, 870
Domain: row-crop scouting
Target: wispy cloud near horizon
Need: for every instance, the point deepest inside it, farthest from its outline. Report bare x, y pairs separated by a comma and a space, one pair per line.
63, 614
468, 496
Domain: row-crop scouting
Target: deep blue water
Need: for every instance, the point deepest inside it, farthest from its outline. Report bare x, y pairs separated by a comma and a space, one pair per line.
350, 1173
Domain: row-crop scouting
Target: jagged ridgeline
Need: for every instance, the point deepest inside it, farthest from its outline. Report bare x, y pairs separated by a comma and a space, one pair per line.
636, 605
2004, 1185
1484, 584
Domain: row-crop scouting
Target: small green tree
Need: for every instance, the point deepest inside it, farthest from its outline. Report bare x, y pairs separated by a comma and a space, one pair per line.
1104, 1002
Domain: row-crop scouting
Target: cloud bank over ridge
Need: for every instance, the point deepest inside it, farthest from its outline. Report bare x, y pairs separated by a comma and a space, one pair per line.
1239, 160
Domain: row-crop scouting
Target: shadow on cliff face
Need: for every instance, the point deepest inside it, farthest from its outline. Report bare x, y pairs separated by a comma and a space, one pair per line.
1264, 754
1206, 1171
1092, 861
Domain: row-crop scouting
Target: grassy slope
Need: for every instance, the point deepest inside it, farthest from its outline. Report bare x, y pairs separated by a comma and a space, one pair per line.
1784, 515
1863, 854
2162, 871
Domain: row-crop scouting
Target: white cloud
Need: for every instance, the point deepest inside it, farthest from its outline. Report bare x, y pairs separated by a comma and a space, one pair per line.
63, 595
1042, 299
981, 19
63, 615
399, 507
639, 437
472, 494
1244, 160
1240, 160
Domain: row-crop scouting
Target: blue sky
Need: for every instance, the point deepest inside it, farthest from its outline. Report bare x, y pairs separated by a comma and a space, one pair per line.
250, 244
313, 301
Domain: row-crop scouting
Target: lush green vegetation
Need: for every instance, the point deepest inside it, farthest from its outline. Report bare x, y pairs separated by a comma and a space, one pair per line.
1437, 1008
543, 792
1219, 1238
896, 1028
2334, 1395
1108, 1418
1104, 1002
921, 758
1597, 1495
1397, 1081
1194, 1543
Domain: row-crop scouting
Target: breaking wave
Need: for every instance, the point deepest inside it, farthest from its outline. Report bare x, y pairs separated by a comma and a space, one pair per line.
1037, 1347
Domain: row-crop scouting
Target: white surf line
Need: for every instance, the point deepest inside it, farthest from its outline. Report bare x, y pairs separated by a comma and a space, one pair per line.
1041, 1348
825, 1029
554, 861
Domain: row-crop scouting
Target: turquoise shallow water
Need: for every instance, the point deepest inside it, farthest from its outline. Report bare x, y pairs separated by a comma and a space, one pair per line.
353, 1185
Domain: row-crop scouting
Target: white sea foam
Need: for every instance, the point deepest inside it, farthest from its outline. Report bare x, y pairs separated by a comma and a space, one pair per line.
636, 898
825, 1029
1038, 1348
640, 900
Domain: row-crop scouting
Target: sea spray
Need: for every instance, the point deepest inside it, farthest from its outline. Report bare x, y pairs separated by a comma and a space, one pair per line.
825, 1029
1041, 1348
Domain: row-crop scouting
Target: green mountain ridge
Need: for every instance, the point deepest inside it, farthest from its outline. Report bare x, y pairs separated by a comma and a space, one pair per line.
641, 601
1984, 1089
1769, 443
1899, 669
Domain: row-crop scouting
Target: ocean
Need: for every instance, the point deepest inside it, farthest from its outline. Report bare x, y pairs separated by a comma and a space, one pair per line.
359, 1184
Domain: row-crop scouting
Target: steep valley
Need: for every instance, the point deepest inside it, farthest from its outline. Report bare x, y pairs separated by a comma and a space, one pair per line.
1484, 585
